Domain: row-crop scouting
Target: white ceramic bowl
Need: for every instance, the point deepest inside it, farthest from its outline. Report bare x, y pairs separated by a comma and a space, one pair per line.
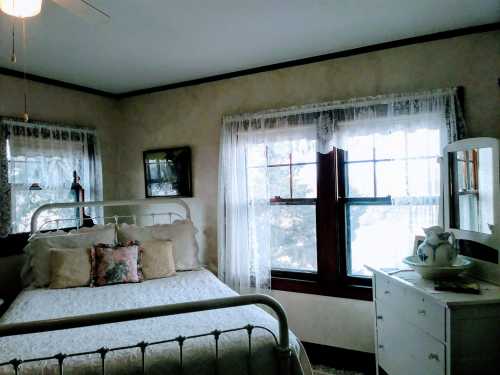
438, 272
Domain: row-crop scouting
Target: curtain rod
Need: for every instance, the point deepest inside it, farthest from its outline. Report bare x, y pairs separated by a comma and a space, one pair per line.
338, 104
38, 124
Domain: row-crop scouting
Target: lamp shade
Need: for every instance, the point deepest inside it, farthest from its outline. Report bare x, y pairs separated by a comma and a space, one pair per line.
21, 8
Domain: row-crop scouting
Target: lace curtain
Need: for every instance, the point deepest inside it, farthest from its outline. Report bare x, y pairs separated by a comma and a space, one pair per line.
5, 208
41, 160
396, 137
245, 191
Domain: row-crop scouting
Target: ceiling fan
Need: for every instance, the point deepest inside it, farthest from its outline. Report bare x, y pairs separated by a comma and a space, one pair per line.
31, 8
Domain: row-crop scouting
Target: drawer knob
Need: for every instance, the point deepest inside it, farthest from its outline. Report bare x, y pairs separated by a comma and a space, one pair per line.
422, 312
381, 346
434, 356
380, 317
387, 292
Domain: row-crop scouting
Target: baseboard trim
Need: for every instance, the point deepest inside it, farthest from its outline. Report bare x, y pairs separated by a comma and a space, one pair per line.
340, 358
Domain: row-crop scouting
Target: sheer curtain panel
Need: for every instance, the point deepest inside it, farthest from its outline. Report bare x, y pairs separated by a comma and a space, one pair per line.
5, 208
246, 187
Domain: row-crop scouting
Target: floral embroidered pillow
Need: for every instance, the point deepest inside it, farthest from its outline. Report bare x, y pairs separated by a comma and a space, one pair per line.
116, 264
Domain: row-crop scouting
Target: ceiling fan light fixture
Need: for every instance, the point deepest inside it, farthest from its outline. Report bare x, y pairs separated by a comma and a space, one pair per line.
21, 8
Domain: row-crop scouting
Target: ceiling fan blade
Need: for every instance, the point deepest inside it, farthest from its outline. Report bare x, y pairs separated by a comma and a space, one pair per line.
84, 9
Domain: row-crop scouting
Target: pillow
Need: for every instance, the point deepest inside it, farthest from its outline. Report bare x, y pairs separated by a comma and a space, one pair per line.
38, 249
157, 259
116, 264
181, 233
27, 276
69, 268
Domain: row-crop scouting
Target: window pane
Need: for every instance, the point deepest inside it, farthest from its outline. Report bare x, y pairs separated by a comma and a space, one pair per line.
279, 182
360, 179
293, 237
463, 175
24, 171
304, 151
467, 204
153, 169
279, 153
304, 181
391, 178
424, 142
390, 146
359, 148
25, 202
256, 155
382, 236
423, 177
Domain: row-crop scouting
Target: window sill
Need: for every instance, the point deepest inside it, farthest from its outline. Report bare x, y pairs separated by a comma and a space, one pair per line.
357, 292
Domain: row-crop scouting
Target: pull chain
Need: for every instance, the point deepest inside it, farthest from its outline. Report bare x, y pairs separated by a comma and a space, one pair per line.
13, 58
26, 116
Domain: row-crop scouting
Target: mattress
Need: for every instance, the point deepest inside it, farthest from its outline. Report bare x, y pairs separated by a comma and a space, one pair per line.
198, 354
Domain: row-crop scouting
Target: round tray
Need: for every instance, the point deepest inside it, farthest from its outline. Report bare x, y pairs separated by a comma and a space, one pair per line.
437, 272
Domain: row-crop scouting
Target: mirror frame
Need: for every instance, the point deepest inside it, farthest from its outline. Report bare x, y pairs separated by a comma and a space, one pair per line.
492, 240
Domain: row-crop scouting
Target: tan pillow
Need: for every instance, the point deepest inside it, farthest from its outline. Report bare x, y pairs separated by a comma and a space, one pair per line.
157, 259
69, 268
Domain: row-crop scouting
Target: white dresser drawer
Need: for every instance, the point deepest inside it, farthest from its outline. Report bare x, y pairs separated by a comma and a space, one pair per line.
405, 349
412, 306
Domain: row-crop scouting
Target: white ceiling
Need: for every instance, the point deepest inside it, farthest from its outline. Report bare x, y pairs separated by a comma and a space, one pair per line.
156, 42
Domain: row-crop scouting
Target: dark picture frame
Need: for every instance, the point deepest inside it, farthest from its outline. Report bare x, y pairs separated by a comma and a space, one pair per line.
167, 172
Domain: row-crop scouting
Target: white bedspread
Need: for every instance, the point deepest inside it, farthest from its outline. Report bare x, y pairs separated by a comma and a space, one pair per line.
199, 358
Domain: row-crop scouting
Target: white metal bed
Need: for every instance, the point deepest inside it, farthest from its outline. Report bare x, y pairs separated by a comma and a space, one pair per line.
282, 340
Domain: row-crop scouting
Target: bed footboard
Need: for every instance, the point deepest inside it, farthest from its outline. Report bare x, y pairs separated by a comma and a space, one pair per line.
282, 342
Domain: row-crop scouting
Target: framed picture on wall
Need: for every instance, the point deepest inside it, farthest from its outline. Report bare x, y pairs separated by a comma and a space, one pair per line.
167, 172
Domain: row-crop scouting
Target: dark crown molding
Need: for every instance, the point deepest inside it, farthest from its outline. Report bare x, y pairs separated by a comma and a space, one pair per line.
55, 82
308, 60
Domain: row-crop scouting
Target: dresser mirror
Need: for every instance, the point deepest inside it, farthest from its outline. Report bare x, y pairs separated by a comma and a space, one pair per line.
471, 190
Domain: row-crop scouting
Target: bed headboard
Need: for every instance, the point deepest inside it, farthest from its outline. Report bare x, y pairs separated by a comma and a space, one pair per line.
120, 203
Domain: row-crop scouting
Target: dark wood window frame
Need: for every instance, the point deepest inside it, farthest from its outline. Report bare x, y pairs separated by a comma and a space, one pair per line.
333, 244
331, 279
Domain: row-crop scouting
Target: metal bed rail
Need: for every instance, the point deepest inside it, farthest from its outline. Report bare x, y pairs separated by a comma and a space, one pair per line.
120, 203
283, 346
109, 219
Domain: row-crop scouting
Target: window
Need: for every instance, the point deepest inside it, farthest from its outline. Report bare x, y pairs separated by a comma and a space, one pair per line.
291, 167
309, 196
41, 162
374, 197
468, 192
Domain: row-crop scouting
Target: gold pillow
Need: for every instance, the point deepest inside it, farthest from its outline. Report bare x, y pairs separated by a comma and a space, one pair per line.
157, 259
69, 268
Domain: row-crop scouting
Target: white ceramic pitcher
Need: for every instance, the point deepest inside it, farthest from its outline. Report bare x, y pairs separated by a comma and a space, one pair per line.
436, 250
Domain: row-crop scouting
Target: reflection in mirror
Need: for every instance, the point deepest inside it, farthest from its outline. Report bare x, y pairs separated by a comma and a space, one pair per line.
472, 192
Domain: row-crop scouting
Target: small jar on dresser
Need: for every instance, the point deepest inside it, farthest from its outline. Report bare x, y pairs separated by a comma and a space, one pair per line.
421, 331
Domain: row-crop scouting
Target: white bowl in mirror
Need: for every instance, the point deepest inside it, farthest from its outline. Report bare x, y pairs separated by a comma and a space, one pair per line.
433, 272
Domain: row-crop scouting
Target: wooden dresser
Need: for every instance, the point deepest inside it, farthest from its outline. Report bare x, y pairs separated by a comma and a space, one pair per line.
420, 331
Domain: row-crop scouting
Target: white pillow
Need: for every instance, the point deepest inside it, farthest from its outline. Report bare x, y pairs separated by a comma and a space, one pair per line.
27, 277
182, 233
38, 249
